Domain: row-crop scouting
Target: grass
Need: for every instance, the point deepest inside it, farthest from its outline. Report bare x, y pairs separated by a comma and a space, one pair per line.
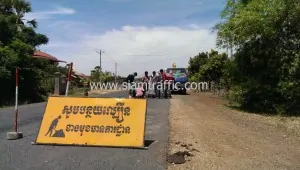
76, 92
290, 123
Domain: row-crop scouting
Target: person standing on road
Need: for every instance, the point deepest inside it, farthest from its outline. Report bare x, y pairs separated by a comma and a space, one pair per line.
156, 81
130, 80
151, 90
145, 81
164, 81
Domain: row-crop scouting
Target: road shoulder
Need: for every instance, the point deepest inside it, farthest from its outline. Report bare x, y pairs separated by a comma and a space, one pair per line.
221, 138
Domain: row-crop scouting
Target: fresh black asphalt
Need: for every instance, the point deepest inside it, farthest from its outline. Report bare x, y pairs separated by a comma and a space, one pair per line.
21, 154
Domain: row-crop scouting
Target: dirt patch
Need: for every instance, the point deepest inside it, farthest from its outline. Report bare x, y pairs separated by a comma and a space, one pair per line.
179, 157
290, 124
221, 138
93, 92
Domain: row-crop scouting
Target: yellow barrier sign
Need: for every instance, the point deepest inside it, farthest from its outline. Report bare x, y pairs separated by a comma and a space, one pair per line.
94, 122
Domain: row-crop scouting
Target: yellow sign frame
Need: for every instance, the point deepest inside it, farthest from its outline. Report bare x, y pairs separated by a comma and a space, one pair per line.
142, 144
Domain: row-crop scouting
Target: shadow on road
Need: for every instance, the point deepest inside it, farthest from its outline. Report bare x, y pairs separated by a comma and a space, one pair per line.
149, 142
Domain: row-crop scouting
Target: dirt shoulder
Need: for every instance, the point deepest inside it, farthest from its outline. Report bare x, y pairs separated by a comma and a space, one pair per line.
222, 138
95, 92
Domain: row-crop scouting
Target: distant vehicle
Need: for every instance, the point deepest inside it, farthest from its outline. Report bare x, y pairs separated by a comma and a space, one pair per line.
180, 77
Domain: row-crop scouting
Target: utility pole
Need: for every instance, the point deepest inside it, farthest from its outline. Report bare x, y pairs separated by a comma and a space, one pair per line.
100, 52
116, 72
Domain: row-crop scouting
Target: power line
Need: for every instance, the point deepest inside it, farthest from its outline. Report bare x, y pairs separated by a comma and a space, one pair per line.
126, 65
77, 41
110, 57
100, 52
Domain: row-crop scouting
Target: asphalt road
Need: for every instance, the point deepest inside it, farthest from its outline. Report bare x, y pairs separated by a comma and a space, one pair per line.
20, 154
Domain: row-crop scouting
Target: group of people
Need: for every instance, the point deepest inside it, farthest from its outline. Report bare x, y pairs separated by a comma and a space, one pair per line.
155, 79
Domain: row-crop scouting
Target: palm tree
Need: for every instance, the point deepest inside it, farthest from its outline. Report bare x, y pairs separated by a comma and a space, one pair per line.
33, 23
21, 7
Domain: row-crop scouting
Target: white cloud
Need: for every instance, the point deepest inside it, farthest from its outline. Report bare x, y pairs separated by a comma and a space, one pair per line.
136, 48
61, 10
48, 14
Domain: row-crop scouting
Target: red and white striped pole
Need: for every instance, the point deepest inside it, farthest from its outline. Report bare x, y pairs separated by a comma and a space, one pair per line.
15, 134
16, 102
69, 78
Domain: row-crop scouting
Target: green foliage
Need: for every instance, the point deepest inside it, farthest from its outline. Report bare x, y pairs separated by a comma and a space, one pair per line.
18, 41
105, 76
264, 73
197, 61
208, 66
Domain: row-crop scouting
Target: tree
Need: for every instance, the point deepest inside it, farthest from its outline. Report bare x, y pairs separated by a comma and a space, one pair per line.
212, 70
209, 67
18, 41
265, 34
21, 7
95, 74
105, 76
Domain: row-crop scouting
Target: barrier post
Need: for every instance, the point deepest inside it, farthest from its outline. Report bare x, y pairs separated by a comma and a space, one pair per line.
15, 135
86, 91
16, 101
69, 78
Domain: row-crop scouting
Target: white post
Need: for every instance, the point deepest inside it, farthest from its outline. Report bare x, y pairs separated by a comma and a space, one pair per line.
67, 88
69, 78
16, 102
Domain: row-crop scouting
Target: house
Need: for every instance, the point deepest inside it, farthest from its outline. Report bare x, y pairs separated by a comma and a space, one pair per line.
42, 55
79, 75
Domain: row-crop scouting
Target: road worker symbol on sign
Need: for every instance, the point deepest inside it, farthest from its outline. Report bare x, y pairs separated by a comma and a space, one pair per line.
52, 128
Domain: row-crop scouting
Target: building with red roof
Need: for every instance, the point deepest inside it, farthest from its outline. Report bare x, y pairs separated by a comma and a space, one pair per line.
43, 55
80, 75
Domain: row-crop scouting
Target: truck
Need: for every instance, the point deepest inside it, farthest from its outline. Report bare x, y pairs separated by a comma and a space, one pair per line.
180, 78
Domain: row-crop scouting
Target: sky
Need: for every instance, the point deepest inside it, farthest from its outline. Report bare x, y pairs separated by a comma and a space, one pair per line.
135, 35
